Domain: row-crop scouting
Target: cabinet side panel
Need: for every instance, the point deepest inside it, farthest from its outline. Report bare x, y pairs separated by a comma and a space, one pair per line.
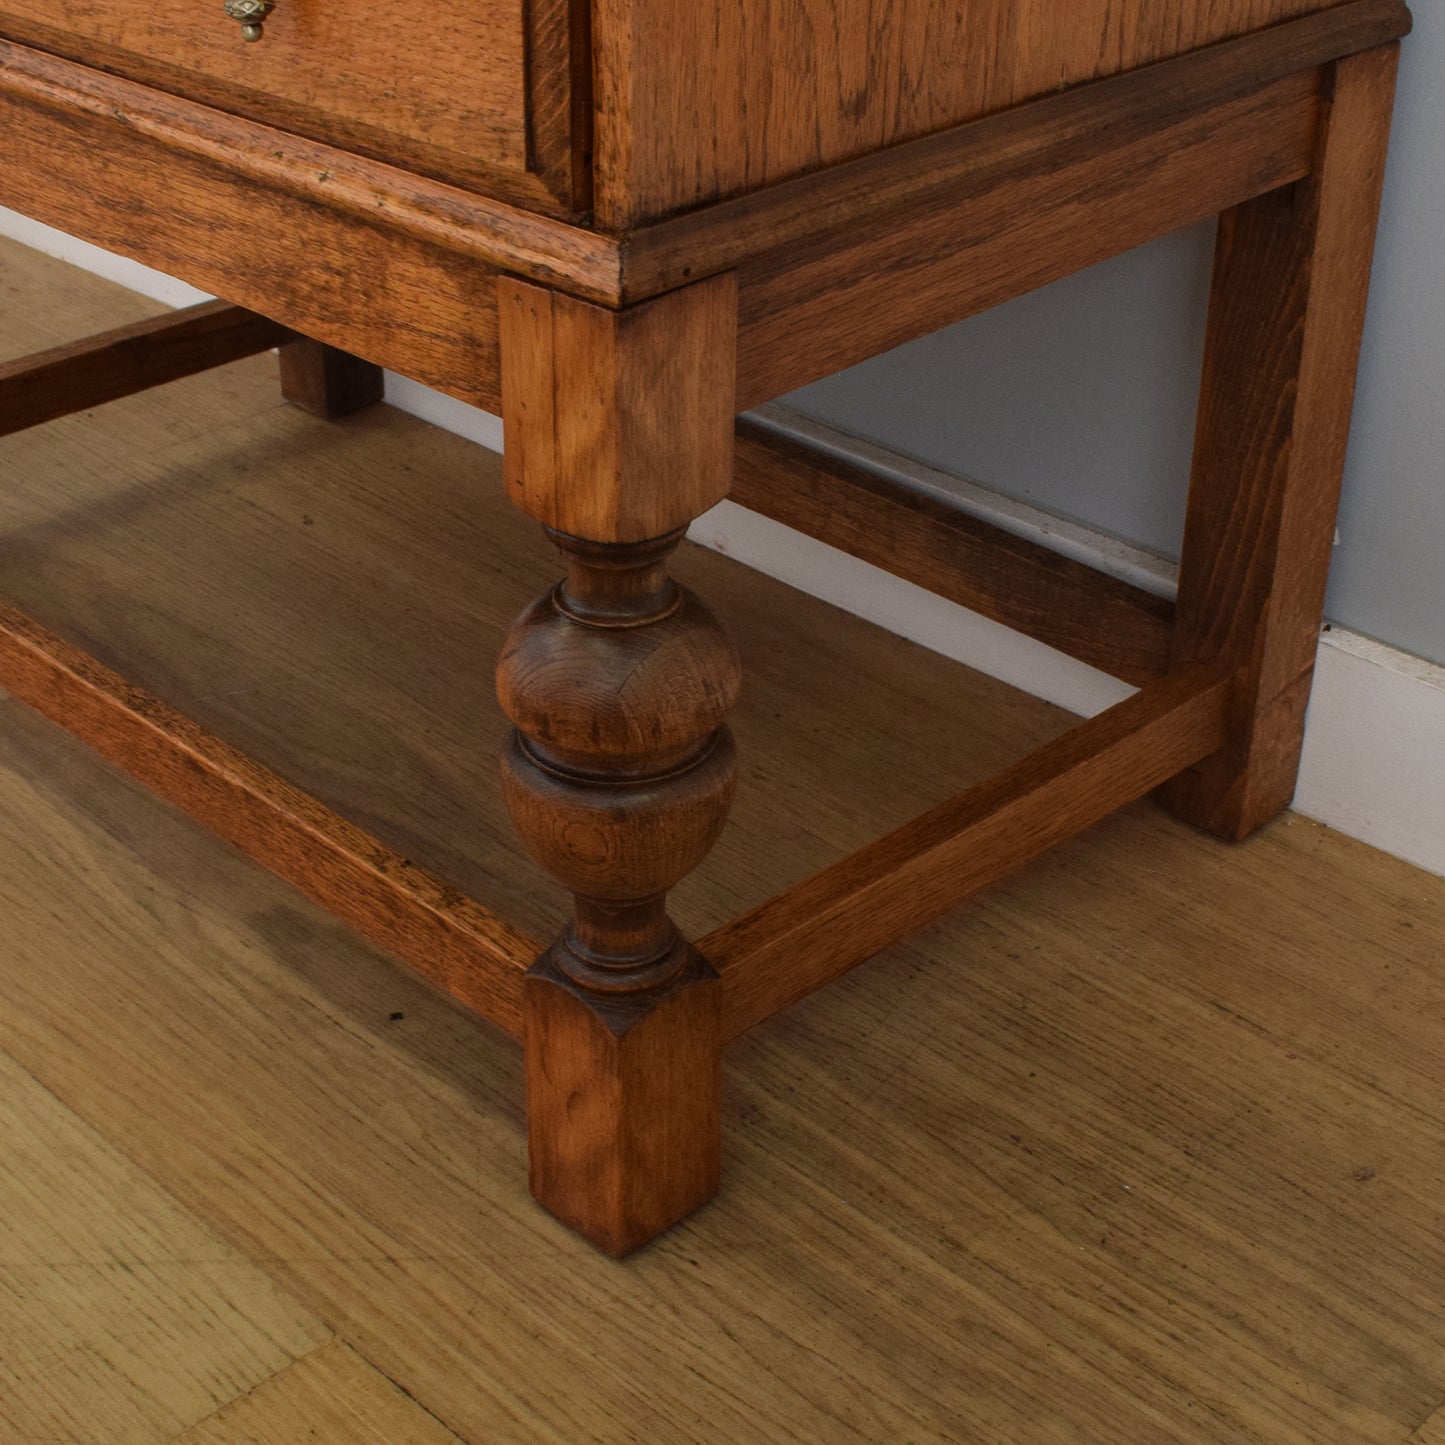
718, 97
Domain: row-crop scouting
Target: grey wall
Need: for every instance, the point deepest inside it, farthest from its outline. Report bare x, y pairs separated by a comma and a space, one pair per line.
1080, 398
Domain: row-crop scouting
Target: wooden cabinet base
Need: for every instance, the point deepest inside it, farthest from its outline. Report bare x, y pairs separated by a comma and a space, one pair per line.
619, 352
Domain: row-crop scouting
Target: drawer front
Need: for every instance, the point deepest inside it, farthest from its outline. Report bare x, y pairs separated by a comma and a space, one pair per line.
442, 87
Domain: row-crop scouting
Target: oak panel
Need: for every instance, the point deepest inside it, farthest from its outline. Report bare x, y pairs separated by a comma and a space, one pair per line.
962, 164
712, 100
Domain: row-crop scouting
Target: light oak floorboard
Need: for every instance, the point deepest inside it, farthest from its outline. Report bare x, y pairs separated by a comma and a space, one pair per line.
1144, 1145
123, 1318
332, 1395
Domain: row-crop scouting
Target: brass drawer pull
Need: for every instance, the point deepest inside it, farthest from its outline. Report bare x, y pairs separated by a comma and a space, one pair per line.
252, 15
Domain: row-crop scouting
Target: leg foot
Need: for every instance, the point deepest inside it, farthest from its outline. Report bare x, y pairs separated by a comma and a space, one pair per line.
1288, 305
326, 382
1240, 789
623, 1100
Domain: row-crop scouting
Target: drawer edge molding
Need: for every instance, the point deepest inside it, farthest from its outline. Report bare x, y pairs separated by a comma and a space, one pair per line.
499, 236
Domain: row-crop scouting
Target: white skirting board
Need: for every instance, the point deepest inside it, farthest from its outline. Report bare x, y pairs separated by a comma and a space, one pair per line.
1374, 760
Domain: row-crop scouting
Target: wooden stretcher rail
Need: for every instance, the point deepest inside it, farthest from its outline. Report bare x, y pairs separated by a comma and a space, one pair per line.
1106, 623
817, 930
130, 359
443, 935
1012, 225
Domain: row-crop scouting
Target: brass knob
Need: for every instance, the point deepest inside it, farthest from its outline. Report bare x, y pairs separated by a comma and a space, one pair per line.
252, 15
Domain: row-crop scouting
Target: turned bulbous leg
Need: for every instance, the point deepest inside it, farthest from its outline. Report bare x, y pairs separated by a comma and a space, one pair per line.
620, 770
618, 775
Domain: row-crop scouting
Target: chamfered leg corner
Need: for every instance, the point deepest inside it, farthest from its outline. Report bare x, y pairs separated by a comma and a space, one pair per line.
623, 1100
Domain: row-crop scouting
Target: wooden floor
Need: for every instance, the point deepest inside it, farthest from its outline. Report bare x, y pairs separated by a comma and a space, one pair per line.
1146, 1145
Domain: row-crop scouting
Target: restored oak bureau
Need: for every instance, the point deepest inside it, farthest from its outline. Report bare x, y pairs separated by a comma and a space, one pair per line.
620, 223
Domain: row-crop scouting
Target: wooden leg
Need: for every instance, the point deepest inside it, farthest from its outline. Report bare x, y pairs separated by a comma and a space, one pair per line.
620, 771
1291, 274
326, 382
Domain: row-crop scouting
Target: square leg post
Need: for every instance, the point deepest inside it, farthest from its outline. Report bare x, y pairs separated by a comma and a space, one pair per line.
326, 382
1290, 282
620, 770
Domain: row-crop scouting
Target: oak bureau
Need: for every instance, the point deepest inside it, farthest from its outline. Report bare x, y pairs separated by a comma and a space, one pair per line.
619, 223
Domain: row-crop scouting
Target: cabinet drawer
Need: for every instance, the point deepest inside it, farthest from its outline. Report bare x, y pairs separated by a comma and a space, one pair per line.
447, 88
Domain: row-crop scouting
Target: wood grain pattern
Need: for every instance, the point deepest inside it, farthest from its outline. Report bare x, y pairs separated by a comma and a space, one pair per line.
129, 359
1292, 274
619, 424
1009, 228
817, 930
964, 160
326, 382
1101, 621
330, 1397
620, 771
1432, 1432
559, 98
497, 234
124, 1317
447, 97
468, 952
696, 105
1024, 1179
